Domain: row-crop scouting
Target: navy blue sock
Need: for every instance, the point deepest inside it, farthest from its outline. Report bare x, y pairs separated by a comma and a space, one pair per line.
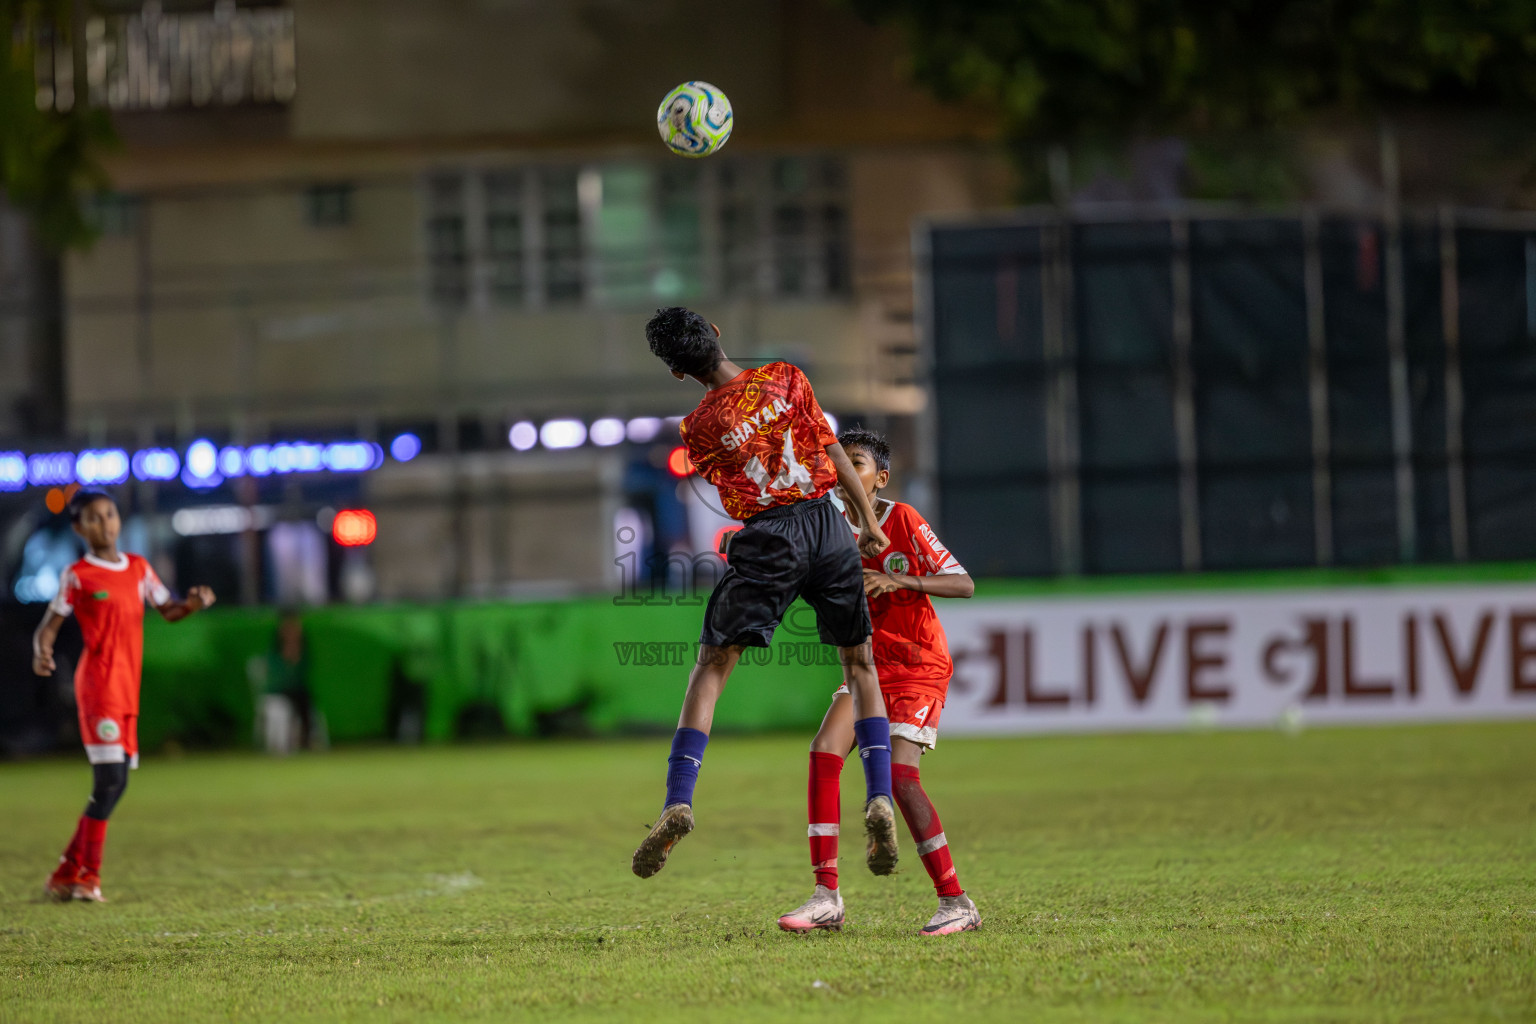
683, 766
874, 739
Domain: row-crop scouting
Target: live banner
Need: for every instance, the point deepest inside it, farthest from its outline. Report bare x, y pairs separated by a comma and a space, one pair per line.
1363, 654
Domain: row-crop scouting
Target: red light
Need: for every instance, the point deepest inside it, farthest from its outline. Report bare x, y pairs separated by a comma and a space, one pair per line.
720, 535
354, 527
678, 463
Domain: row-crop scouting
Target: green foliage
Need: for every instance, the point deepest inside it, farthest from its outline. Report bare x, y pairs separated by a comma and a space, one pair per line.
47, 158
1061, 69
1084, 71
1338, 875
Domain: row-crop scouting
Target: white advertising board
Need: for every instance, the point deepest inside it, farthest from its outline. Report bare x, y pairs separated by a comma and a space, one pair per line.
1362, 654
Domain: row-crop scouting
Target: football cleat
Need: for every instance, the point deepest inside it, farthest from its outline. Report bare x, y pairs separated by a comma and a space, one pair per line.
880, 831
955, 914
675, 822
87, 888
60, 885
823, 910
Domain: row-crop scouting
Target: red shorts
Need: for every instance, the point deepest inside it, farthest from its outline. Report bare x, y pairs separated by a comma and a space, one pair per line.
914, 714
109, 737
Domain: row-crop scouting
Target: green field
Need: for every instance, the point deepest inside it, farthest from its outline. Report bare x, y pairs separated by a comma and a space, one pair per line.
1359, 874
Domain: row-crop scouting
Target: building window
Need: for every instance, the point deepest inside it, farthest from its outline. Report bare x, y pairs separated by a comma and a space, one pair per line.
505, 224
635, 233
112, 214
328, 206
562, 235
447, 246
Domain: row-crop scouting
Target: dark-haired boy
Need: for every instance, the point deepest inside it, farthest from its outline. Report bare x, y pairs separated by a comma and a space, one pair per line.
106, 591
912, 657
761, 438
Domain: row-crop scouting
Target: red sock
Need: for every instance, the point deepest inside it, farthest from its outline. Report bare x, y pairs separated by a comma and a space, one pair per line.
75, 851
93, 836
824, 812
923, 821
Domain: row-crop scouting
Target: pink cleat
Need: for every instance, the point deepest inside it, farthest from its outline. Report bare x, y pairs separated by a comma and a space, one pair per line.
824, 910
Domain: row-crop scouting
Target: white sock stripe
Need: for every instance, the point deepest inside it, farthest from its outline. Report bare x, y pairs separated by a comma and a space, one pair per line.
833, 829
927, 846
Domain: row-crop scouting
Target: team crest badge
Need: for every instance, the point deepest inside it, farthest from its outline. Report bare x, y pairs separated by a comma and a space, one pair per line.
896, 564
107, 731
101, 595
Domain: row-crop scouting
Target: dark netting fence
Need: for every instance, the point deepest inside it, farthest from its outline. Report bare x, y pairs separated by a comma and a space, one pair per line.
1151, 394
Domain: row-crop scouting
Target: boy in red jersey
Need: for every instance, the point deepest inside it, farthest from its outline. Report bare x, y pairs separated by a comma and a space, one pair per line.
912, 657
760, 437
107, 592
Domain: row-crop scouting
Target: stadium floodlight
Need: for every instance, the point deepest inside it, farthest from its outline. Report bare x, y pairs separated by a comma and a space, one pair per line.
232, 462
606, 432
642, 429
13, 471
51, 469
200, 465
104, 466
405, 447
283, 458
350, 457
258, 459
523, 435
560, 434
202, 460
155, 464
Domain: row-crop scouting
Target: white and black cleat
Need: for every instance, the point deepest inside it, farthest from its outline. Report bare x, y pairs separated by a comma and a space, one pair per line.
822, 912
955, 914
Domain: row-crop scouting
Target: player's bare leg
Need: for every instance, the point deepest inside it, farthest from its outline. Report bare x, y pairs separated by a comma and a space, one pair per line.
880, 851
705, 684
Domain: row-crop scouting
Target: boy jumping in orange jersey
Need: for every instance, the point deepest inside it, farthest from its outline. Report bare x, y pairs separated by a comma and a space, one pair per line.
107, 592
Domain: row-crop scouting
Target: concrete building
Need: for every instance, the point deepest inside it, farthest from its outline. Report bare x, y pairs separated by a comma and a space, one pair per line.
357, 218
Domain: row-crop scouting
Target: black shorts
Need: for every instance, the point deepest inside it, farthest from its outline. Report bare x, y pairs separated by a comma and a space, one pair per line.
788, 551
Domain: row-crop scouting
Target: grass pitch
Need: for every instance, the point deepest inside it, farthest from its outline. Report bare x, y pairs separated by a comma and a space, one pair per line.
1342, 874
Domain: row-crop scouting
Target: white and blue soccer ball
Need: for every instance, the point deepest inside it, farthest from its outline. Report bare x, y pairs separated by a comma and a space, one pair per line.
694, 119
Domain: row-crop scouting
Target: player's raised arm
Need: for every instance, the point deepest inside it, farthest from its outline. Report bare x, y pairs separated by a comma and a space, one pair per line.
196, 600
43, 641
872, 540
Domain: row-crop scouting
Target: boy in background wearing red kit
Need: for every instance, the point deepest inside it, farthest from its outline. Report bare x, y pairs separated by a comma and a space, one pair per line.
106, 591
913, 663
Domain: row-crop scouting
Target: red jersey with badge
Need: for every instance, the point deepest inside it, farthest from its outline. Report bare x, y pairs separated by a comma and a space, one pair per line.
911, 652
108, 599
761, 439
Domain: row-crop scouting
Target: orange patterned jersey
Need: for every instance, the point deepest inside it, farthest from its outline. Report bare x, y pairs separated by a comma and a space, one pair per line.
108, 599
911, 651
761, 439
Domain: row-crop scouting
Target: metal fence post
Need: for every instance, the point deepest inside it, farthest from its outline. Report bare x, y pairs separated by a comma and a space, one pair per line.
1317, 387
1397, 356
1061, 420
1450, 327
1184, 399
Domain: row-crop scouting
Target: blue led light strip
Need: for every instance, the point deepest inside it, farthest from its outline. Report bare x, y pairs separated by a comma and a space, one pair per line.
202, 465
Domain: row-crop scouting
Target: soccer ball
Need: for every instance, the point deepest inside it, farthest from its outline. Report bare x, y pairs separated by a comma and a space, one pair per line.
694, 119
